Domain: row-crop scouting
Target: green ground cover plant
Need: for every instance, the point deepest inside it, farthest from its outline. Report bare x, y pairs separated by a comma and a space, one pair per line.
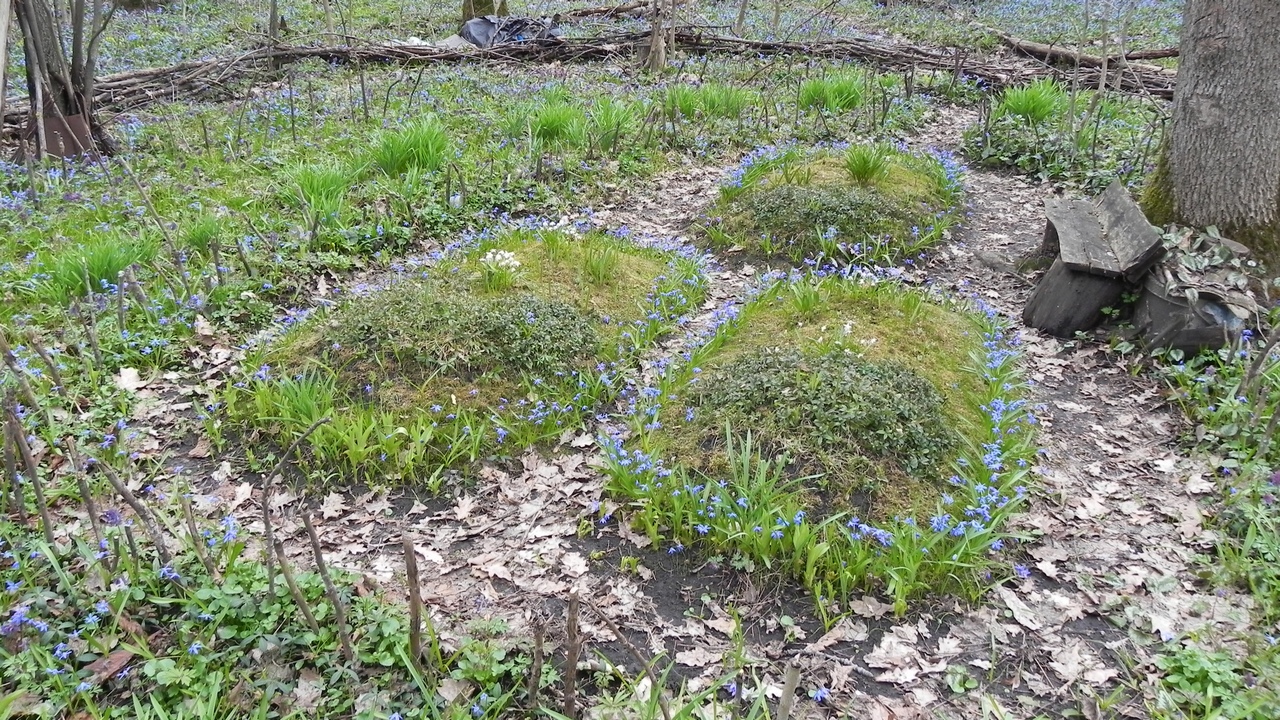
1052, 132
776, 491
1232, 396
511, 339
867, 203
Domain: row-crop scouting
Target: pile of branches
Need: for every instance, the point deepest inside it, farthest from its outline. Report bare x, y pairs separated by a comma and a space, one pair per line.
215, 78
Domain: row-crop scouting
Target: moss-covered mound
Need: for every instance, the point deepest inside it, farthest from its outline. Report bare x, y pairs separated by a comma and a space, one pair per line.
865, 204
859, 387
507, 344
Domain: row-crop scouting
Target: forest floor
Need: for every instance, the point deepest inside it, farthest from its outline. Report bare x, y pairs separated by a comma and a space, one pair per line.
1113, 527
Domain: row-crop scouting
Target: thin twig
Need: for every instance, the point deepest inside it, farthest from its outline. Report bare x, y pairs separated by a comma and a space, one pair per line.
339, 611
149, 522
33, 471
573, 646
635, 653
194, 533
77, 469
298, 598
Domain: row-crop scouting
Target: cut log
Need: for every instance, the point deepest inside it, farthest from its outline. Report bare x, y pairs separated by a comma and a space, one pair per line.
1109, 236
1067, 301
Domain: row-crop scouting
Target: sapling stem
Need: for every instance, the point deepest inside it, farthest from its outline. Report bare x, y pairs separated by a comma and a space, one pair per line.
339, 611
11, 362
144, 514
194, 533
120, 308
33, 471
298, 598
573, 646
268, 531
215, 250
135, 290
415, 600
77, 469
791, 680
33, 341
535, 666
17, 501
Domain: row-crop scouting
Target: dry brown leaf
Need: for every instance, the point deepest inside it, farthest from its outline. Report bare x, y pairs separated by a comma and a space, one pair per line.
106, 667
333, 506
203, 449
130, 380
1021, 612
308, 691
697, 657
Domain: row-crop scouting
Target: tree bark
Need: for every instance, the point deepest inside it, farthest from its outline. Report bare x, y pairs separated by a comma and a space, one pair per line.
1222, 157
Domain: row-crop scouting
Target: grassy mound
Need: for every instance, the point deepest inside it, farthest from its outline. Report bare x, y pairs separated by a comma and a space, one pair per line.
867, 204
508, 344
812, 434
857, 386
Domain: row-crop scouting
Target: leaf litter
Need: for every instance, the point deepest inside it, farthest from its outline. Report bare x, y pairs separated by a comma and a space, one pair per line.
1113, 528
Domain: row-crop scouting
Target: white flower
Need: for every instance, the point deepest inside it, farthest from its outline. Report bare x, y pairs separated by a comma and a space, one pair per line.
500, 260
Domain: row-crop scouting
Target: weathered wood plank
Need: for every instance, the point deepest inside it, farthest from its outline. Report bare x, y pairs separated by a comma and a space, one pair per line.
1081, 241
1066, 301
1135, 244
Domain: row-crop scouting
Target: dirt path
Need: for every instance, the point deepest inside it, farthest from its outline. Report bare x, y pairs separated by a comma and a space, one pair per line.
1113, 529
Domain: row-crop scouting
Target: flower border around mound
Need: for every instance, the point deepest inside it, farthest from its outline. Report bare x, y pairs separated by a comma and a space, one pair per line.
753, 519
930, 177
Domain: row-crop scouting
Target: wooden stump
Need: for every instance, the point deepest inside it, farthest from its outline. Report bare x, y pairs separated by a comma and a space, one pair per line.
1067, 301
1101, 247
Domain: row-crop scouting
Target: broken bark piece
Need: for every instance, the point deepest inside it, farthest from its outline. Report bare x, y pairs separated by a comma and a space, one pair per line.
1068, 301
1109, 236
1180, 323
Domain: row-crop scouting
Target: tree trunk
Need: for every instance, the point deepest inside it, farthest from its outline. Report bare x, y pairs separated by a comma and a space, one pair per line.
60, 84
1221, 163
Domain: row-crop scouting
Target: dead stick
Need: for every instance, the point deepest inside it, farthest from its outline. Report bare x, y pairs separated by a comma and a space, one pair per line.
268, 532
573, 645
635, 653
788, 692
19, 501
415, 600
196, 544
77, 468
11, 361
120, 306
33, 471
34, 341
339, 611
535, 667
149, 522
135, 289
298, 598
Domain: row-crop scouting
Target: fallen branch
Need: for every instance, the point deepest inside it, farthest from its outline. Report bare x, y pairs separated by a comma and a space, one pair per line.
208, 79
605, 11
1060, 54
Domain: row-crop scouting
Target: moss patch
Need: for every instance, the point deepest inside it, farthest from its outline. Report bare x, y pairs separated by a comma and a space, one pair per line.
867, 204
863, 391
